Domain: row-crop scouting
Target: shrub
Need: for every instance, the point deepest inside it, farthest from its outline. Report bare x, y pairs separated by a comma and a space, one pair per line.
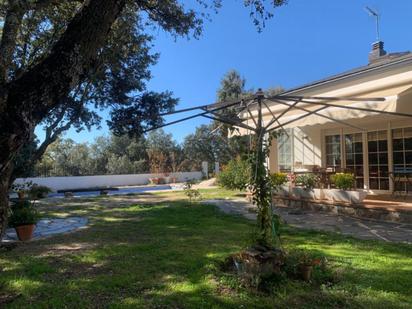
343, 181
308, 181
278, 179
23, 212
38, 191
235, 175
191, 193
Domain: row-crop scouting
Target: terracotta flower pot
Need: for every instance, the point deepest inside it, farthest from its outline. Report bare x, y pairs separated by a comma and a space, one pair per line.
25, 232
306, 271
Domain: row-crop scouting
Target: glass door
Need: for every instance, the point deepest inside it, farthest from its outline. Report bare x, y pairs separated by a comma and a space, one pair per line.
402, 158
333, 154
378, 160
354, 157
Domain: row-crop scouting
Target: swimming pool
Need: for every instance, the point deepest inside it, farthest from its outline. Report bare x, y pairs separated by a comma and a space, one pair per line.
119, 191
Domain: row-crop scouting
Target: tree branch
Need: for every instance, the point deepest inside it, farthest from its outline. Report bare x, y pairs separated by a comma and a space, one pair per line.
12, 23
73, 54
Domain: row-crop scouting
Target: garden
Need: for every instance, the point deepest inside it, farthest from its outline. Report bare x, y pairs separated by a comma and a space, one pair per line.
161, 250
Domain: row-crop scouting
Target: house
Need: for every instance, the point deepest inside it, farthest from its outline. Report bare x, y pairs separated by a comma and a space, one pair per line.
370, 145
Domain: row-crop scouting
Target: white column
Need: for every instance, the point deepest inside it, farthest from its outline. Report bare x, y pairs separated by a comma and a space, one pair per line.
217, 168
205, 169
390, 156
365, 160
273, 157
342, 150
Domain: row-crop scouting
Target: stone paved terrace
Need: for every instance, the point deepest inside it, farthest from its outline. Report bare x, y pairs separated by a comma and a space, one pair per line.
48, 227
389, 202
346, 225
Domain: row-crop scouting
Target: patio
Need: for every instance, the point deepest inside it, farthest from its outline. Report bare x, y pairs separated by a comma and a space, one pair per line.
377, 207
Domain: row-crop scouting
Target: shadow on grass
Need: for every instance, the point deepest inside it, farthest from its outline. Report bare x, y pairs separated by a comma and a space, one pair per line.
166, 255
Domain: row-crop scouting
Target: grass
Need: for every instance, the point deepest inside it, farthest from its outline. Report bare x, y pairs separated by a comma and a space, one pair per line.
167, 254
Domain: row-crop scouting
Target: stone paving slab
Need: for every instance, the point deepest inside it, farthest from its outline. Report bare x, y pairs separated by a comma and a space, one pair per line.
48, 227
359, 228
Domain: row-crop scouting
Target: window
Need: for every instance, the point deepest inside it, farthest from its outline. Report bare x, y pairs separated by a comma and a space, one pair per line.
354, 157
285, 150
402, 154
333, 154
378, 160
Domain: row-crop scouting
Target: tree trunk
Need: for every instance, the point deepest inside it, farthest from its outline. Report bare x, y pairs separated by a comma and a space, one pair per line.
27, 100
4, 199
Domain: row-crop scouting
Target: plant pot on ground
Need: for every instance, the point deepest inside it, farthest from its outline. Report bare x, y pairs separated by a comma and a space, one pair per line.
306, 271
23, 218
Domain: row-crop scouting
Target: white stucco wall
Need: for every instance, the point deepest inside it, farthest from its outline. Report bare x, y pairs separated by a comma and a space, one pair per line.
83, 182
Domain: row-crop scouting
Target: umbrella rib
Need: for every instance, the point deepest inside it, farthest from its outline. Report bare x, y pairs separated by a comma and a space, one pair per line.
355, 99
251, 116
215, 105
282, 113
242, 125
321, 115
229, 121
274, 117
190, 117
359, 108
299, 118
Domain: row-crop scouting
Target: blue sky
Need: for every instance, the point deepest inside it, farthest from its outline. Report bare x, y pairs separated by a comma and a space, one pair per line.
303, 42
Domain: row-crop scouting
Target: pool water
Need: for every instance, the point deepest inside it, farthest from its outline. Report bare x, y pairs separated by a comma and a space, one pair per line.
121, 191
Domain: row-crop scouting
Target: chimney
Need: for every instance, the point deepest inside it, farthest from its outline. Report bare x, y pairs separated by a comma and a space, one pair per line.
377, 51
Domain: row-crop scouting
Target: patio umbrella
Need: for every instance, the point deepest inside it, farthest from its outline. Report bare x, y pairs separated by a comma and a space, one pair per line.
261, 115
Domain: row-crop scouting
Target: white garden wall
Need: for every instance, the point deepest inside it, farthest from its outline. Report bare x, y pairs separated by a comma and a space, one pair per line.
83, 182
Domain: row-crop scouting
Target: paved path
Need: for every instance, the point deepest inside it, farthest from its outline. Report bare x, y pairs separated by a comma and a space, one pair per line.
50, 227
360, 228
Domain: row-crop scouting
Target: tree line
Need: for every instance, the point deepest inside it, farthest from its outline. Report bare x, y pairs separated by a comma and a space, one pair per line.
158, 152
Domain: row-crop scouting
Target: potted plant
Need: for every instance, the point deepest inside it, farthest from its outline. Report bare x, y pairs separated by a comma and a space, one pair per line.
22, 188
39, 191
306, 187
23, 218
344, 192
278, 180
306, 263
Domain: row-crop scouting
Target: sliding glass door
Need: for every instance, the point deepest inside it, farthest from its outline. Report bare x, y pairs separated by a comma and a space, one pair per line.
354, 157
333, 151
378, 160
402, 157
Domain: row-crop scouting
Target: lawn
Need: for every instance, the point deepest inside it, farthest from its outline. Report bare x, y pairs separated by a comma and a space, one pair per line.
168, 255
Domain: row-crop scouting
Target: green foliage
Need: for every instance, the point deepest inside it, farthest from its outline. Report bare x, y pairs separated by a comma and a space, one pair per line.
261, 188
344, 181
191, 193
322, 270
211, 143
278, 179
307, 181
38, 191
235, 175
23, 212
232, 86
